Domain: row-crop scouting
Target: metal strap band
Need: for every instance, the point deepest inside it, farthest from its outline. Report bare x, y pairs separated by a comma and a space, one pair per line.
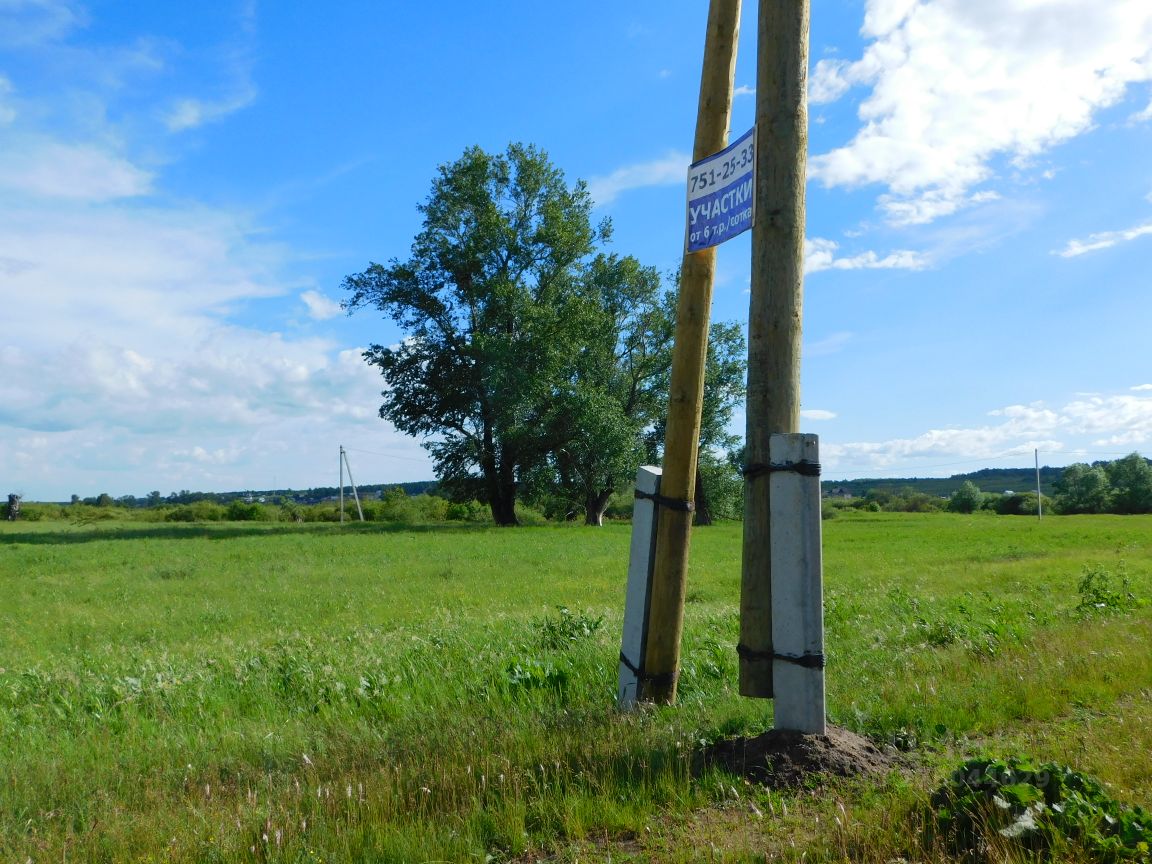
808, 661
665, 680
628, 665
668, 503
805, 468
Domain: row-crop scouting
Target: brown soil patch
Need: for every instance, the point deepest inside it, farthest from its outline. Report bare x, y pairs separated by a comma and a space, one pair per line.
784, 760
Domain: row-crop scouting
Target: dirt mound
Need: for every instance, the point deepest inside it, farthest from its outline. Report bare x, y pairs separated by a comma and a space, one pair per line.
784, 759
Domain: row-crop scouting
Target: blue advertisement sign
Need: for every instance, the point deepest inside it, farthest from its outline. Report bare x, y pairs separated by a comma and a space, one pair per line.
720, 194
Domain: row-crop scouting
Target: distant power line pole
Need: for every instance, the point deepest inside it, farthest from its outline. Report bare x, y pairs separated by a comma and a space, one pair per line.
345, 464
1039, 498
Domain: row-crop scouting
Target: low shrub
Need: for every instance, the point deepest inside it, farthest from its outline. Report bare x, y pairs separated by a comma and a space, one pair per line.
1103, 592
197, 511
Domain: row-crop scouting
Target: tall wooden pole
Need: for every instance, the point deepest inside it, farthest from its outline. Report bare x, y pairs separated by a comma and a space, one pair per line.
686, 391
773, 398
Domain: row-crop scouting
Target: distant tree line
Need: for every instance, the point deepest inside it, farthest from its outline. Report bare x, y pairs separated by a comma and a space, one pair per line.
1122, 486
992, 480
269, 496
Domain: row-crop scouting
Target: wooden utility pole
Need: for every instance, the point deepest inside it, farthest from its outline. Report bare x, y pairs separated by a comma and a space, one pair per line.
686, 391
773, 398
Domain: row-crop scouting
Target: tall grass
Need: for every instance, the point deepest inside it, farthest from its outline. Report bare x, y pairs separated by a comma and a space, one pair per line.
302, 693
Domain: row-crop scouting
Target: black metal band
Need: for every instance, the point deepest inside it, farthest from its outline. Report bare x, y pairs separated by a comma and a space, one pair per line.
668, 503
808, 661
747, 653
805, 468
628, 665
665, 680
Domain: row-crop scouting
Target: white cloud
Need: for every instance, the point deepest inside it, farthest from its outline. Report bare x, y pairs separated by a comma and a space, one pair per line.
191, 113
1103, 240
144, 276
744, 90
820, 254
1124, 439
234, 61
955, 83
34, 22
38, 166
829, 82
1142, 387
1113, 420
817, 414
321, 307
127, 360
668, 170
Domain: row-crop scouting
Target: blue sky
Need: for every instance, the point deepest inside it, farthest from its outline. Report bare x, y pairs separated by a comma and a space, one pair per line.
183, 188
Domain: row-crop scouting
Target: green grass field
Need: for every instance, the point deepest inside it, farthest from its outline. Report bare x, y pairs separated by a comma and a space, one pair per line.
251, 692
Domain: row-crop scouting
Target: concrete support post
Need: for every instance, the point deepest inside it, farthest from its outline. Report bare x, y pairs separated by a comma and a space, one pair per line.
636, 603
797, 584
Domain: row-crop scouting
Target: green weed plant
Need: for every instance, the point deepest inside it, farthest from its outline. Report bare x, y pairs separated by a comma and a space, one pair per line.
1039, 807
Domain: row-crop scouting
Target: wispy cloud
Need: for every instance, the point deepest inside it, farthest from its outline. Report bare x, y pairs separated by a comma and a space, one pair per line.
238, 90
817, 414
820, 254
7, 111
127, 351
668, 170
191, 113
35, 22
1105, 419
39, 166
952, 86
828, 345
744, 90
1103, 240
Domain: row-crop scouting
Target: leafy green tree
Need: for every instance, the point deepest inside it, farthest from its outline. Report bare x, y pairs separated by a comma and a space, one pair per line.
719, 485
967, 499
720, 453
492, 304
1084, 489
1131, 479
614, 387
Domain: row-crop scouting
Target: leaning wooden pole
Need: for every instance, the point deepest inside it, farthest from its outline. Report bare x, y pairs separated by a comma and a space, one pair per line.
686, 391
773, 398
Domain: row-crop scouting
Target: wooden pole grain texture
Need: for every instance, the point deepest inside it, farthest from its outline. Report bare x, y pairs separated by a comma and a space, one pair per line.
686, 388
775, 307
